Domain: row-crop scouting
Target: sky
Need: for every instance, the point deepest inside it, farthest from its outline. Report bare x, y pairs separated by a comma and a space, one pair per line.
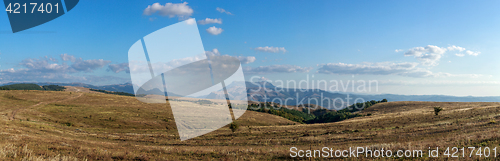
407, 47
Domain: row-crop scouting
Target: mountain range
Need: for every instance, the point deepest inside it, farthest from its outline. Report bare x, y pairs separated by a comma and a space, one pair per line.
267, 92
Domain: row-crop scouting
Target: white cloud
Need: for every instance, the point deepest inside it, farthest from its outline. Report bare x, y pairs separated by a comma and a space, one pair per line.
430, 54
398, 50
47, 69
142, 67
453, 48
271, 49
420, 51
472, 53
367, 68
213, 52
214, 30
44, 65
209, 21
246, 59
243, 59
117, 68
276, 69
190, 21
66, 57
89, 65
181, 10
223, 11
407, 69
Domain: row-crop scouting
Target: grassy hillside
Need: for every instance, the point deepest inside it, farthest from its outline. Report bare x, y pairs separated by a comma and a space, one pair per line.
96, 126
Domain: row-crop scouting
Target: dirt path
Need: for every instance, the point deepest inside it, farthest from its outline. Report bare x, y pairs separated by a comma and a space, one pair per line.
42, 103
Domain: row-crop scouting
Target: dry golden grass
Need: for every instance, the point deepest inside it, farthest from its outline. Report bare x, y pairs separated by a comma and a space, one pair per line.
109, 127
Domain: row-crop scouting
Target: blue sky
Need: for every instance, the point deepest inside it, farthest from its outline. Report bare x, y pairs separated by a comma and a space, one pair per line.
409, 47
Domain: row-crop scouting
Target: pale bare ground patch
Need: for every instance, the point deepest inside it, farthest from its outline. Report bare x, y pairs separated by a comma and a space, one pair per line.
79, 89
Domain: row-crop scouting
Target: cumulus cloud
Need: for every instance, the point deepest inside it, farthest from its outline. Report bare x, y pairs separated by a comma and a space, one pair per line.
243, 59
44, 65
472, 53
181, 10
223, 11
117, 68
214, 52
246, 59
367, 68
190, 21
66, 57
78, 64
89, 65
209, 21
276, 69
271, 49
214, 30
455, 48
430, 54
429, 49
407, 69
47, 69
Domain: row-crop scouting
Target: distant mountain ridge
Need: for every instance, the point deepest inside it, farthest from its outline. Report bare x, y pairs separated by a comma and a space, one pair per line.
258, 91
126, 87
267, 92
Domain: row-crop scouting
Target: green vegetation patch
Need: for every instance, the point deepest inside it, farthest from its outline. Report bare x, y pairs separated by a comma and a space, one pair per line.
273, 108
317, 116
110, 92
30, 86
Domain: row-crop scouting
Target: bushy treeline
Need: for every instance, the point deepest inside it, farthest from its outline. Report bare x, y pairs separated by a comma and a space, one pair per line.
344, 114
361, 106
53, 88
275, 109
317, 116
31, 86
110, 92
333, 116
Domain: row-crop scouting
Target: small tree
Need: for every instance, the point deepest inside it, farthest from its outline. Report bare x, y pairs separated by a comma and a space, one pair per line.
437, 110
384, 100
234, 126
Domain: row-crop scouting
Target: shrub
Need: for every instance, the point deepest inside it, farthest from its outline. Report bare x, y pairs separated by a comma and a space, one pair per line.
234, 126
68, 124
437, 110
492, 122
53, 88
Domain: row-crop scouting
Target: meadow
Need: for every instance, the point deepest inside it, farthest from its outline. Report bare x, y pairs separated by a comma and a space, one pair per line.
79, 124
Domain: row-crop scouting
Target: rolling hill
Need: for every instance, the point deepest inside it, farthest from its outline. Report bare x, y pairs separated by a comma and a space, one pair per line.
270, 92
95, 126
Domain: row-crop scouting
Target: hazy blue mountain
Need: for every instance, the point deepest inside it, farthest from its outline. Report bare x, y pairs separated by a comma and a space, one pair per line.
266, 92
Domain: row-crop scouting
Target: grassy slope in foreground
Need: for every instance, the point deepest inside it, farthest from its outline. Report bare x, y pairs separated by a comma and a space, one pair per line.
101, 126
